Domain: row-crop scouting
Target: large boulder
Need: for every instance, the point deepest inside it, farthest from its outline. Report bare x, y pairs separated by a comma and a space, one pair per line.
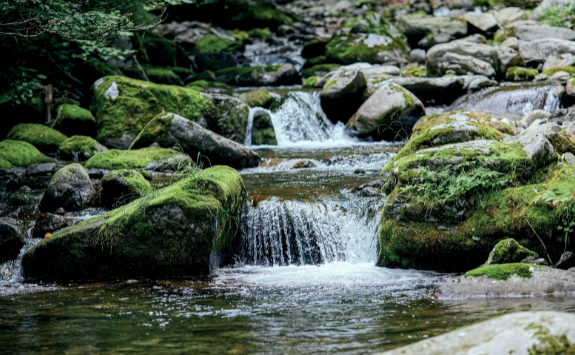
464, 65
541, 49
342, 94
80, 148
46, 139
559, 61
15, 154
71, 189
349, 48
508, 57
510, 14
479, 51
257, 98
149, 158
123, 106
519, 333
388, 114
271, 75
170, 129
419, 25
74, 120
122, 187
11, 240
185, 229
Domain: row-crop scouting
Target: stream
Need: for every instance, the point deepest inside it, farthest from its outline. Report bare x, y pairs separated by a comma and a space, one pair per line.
302, 281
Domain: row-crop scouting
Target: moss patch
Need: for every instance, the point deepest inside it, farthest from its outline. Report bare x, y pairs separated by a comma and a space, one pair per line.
134, 180
44, 138
259, 33
413, 71
212, 43
73, 119
503, 272
163, 76
353, 48
509, 251
521, 74
319, 68
78, 144
551, 71
15, 154
257, 98
129, 159
328, 84
311, 81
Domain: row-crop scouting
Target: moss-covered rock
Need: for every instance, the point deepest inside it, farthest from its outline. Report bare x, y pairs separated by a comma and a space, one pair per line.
312, 82
46, 139
274, 75
502, 272
257, 98
15, 154
80, 148
212, 43
11, 241
263, 129
74, 120
413, 71
122, 187
185, 229
322, 59
259, 33
568, 69
70, 188
521, 74
163, 76
214, 52
508, 251
204, 85
370, 48
233, 116
123, 106
320, 69
150, 158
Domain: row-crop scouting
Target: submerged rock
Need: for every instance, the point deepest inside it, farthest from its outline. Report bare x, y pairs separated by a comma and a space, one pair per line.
11, 241
186, 229
170, 129
122, 187
304, 164
71, 189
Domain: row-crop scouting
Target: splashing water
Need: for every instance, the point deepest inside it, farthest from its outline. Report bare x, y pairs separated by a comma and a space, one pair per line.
11, 272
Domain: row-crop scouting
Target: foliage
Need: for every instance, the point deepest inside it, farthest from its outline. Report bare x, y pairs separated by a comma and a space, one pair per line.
562, 199
559, 15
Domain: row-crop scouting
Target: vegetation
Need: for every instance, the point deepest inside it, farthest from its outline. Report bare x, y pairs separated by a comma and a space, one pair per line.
44, 138
257, 98
521, 74
132, 159
503, 272
79, 144
20, 154
509, 251
413, 71
559, 16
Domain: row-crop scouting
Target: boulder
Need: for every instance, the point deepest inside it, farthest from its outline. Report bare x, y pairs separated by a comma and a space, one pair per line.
122, 187
533, 32
71, 189
45, 139
483, 22
123, 106
320, 69
375, 73
263, 129
214, 52
540, 49
510, 14
74, 120
342, 94
49, 223
465, 65
271, 75
149, 158
233, 116
313, 82
479, 51
80, 148
511, 42
170, 129
388, 114
508, 251
163, 76
535, 115
508, 57
371, 48
418, 25
14, 154
559, 61
186, 229
257, 98
11, 241
566, 261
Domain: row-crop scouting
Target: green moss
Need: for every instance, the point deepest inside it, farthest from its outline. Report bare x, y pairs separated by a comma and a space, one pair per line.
75, 113
212, 43
154, 128
449, 76
311, 81
503, 271
257, 98
78, 144
129, 159
319, 68
73, 119
550, 344
129, 241
328, 84
163, 76
315, 61
413, 71
551, 71
140, 101
240, 35
204, 85
503, 33
44, 138
509, 251
259, 33
409, 101
15, 154
134, 180
351, 48
521, 74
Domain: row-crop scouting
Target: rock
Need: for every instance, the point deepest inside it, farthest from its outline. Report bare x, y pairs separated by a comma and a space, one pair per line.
511, 42
314, 48
465, 65
515, 73
40, 169
49, 223
359, 171
570, 88
511, 280
214, 52
271, 75
541, 49
163, 76
304, 164
122, 187
257, 98
342, 94
391, 111
557, 61
533, 32
531, 260
566, 261
417, 25
568, 158
561, 76
149, 158
510, 14
320, 69
417, 56
71, 189
233, 116
370, 48
74, 120
120, 120
535, 115
433, 39
187, 229
11, 241
538, 12
484, 22
509, 57
80, 148
313, 82
375, 73
263, 132
43, 138
482, 52
508, 251
170, 129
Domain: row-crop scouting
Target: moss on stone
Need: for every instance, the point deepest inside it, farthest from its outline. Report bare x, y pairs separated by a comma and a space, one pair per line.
163, 52
413, 71
78, 144
503, 271
72, 119
257, 98
134, 180
15, 154
44, 138
129, 159
259, 33
328, 84
246, 71
140, 101
204, 85
212, 43
521, 74
319, 68
353, 48
509, 251
311, 81
163, 76
549, 72
181, 72
503, 33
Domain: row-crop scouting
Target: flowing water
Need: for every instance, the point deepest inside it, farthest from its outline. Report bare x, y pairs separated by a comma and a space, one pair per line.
303, 279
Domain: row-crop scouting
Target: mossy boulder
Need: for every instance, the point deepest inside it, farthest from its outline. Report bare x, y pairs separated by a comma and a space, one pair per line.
202, 85
508, 251
214, 52
122, 187
320, 69
257, 98
163, 76
272, 75
74, 120
342, 93
80, 148
312, 82
233, 116
149, 158
521, 74
322, 59
46, 139
169, 129
185, 229
263, 129
371, 48
11, 241
70, 188
14, 154
123, 106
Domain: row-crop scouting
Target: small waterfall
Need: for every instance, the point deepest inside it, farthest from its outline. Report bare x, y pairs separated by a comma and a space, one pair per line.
276, 233
11, 272
248, 139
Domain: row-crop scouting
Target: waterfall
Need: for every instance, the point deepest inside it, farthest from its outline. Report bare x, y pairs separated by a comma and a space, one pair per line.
11, 272
290, 232
248, 139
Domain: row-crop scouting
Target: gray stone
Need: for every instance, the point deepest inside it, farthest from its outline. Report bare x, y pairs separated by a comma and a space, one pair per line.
304, 164
417, 56
531, 260
541, 49
566, 261
485, 22
511, 42
539, 150
568, 158
479, 51
71, 189
421, 25
561, 76
510, 14
570, 88
535, 115
48, 223
343, 94
39, 169
375, 73
284, 75
509, 57
465, 65
530, 32
433, 39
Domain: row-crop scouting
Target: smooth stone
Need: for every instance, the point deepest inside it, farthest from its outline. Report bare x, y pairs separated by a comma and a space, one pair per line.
559, 61
70, 188
485, 22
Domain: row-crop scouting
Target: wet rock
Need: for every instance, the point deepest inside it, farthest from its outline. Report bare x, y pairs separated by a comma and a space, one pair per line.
370, 48
566, 261
304, 164
11, 241
465, 65
48, 223
169, 129
71, 189
417, 25
342, 94
484, 22
60, 211
509, 251
482, 52
541, 49
531, 260
388, 114
263, 129
175, 233
257, 98
516, 73
271, 75
417, 56
40, 169
122, 187
232, 116
510, 14
359, 171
